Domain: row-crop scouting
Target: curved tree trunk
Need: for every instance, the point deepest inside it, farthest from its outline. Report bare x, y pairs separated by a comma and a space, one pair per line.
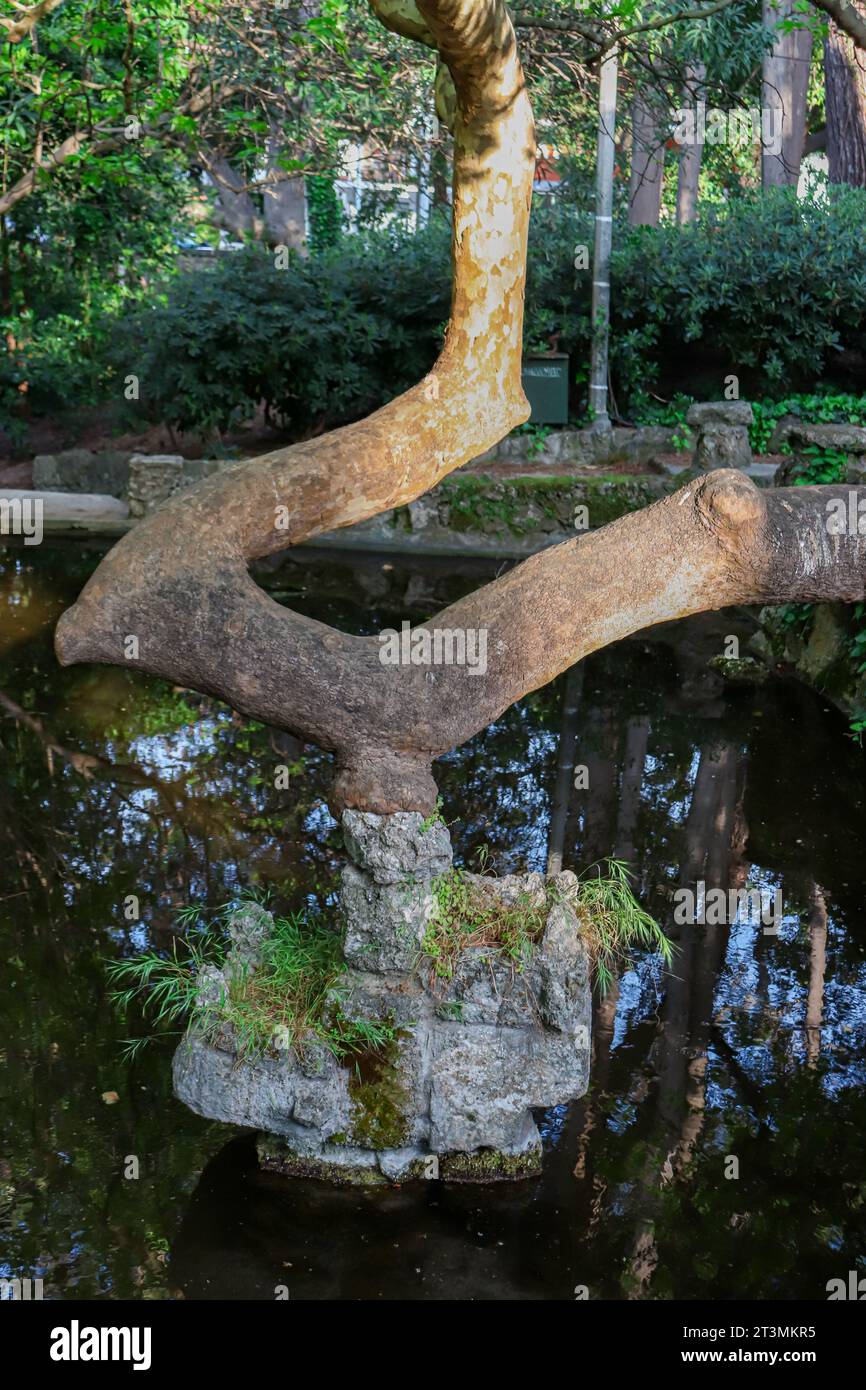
845, 77
179, 582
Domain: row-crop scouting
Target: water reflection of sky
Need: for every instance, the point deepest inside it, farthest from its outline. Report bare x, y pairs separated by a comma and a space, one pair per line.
224, 822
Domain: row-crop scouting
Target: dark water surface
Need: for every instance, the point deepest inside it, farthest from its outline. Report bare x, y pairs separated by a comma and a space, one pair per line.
753, 1050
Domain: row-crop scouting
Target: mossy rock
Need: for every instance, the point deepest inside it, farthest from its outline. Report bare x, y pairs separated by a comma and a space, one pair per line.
380, 1100
742, 670
275, 1155
522, 505
489, 1165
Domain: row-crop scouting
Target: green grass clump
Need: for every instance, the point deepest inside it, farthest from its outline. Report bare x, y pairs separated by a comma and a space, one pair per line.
612, 922
465, 914
290, 1002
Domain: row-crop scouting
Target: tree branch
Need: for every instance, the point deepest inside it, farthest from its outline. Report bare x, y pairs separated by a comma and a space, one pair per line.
18, 29
718, 542
85, 142
180, 583
607, 38
847, 18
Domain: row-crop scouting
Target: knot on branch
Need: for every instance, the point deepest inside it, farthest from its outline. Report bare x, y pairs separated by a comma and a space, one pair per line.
730, 505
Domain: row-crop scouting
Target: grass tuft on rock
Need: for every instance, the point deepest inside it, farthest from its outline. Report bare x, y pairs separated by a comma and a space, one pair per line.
468, 913
288, 1002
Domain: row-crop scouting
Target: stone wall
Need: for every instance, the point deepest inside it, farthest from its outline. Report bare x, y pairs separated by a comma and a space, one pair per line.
142, 480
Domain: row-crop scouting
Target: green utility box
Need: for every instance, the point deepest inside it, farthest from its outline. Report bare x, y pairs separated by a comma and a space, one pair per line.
545, 381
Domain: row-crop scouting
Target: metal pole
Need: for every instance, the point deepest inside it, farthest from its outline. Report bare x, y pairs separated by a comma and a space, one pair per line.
603, 235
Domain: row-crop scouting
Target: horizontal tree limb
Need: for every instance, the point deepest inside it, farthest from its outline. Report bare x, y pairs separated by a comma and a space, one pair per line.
719, 541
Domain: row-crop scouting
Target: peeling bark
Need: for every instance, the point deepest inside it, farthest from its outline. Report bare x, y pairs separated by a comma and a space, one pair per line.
179, 582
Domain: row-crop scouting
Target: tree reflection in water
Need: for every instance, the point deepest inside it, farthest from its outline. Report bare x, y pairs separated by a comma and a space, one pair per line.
752, 1047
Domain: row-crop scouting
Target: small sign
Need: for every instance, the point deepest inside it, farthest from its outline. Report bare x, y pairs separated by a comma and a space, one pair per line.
545, 381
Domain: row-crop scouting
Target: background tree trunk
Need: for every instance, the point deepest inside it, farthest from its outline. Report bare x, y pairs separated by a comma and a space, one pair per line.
236, 209
636, 744
563, 788
845, 77
692, 155
817, 971
785, 85
604, 172
284, 201
647, 164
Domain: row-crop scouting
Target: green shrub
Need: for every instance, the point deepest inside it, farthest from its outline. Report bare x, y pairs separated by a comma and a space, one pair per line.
769, 288
320, 342
77, 256
828, 408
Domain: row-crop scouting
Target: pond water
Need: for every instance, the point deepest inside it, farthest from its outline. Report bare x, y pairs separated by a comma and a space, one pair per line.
719, 1153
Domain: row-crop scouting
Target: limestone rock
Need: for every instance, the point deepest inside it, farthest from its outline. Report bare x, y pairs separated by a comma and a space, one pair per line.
210, 987
484, 1081
152, 479
511, 889
322, 1101
740, 670
843, 438
561, 968
411, 1162
384, 921
486, 988
803, 438
781, 432
725, 413
394, 848
722, 434
461, 1065
213, 1083
81, 470
248, 928
343, 1165
373, 994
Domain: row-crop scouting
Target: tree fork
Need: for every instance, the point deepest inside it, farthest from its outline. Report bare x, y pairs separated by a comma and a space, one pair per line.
179, 583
